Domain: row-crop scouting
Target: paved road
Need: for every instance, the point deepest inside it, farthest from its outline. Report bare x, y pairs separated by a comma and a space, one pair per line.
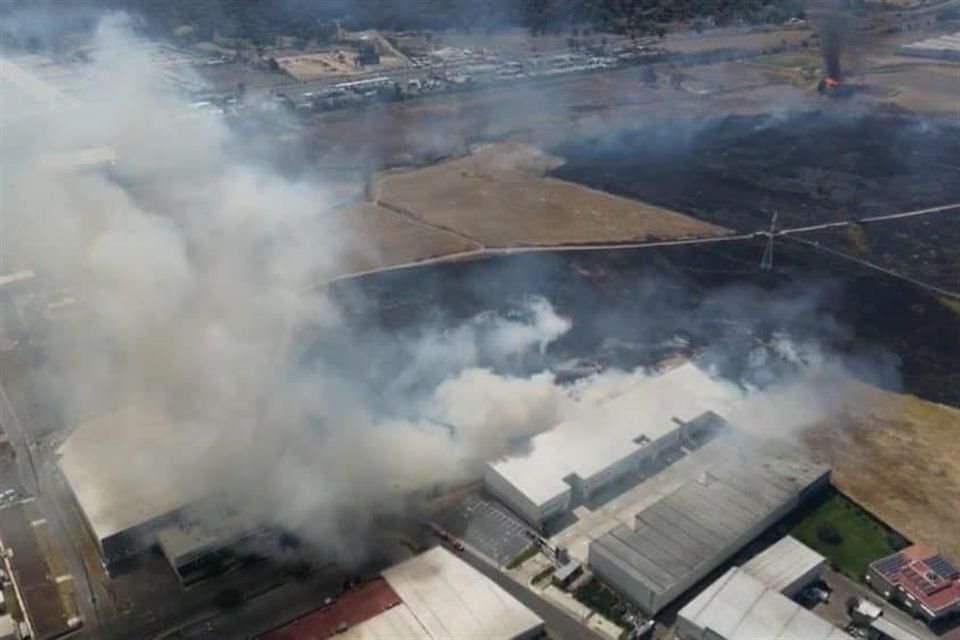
484, 252
843, 588
890, 216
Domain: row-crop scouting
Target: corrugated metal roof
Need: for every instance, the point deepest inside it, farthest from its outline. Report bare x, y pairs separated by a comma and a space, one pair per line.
739, 606
686, 530
601, 437
781, 564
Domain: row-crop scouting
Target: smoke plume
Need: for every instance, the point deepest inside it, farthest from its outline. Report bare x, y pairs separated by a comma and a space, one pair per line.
195, 269
834, 23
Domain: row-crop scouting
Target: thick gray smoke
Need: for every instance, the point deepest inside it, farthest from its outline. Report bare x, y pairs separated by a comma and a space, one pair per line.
196, 269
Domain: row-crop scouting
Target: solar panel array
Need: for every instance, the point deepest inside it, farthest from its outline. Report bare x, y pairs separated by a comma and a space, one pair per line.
942, 566
890, 565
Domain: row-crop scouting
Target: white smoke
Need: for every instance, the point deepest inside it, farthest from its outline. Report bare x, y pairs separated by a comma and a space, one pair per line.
196, 268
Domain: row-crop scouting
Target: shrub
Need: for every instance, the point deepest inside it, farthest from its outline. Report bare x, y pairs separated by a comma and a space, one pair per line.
828, 534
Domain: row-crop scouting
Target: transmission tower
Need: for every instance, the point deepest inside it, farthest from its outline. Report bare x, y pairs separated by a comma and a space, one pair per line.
766, 262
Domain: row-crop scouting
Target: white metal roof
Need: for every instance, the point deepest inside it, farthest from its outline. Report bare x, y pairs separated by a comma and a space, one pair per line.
739, 606
891, 630
108, 463
451, 599
19, 276
599, 438
781, 564
951, 42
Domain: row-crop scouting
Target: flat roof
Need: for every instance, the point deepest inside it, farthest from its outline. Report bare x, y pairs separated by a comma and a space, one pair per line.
451, 599
949, 42
781, 564
19, 276
739, 606
108, 460
689, 528
215, 527
891, 630
601, 436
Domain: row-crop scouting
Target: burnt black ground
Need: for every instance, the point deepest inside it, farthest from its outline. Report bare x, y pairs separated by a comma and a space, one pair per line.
810, 167
925, 248
631, 308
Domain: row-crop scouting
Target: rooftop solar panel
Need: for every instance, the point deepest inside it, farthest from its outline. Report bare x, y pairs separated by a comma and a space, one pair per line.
942, 566
891, 564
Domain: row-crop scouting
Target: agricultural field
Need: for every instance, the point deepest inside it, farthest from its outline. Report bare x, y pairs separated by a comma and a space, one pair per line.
498, 197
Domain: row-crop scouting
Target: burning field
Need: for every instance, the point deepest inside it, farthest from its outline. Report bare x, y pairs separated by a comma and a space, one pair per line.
810, 168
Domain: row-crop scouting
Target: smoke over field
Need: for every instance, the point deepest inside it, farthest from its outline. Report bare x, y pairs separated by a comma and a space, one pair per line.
197, 268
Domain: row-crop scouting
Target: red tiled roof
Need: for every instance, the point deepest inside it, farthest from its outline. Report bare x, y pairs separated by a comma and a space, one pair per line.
924, 575
353, 607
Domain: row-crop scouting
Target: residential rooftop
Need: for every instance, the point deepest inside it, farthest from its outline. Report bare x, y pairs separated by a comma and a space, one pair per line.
924, 574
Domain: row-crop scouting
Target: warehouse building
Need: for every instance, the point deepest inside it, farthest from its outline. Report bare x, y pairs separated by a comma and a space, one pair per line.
786, 566
739, 607
559, 468
104, 462
920, 579
433, 596
946, 47
679, 539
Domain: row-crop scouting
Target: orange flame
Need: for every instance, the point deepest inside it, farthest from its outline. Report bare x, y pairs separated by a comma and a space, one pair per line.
832, 82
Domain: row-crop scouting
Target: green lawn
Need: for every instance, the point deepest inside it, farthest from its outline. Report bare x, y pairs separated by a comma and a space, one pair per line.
861, 539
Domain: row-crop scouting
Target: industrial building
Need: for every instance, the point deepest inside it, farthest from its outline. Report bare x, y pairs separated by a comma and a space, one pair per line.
945, 47
557, 469
432, 596
786, 566
688, 533
738, 606
920, 579
126, 515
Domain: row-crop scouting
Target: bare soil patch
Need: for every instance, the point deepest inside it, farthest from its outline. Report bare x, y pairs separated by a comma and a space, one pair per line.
499, 197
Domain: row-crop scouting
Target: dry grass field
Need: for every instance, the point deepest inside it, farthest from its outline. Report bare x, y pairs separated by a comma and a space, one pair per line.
384, 238
499, 197
898, 457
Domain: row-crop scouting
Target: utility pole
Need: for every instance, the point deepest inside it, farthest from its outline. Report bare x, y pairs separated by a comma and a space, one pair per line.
766, 262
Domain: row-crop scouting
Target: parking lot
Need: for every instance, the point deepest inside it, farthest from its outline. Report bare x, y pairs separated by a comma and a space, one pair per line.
486, 526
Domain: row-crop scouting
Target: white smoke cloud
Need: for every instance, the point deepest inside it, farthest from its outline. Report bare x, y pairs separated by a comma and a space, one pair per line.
196, 268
